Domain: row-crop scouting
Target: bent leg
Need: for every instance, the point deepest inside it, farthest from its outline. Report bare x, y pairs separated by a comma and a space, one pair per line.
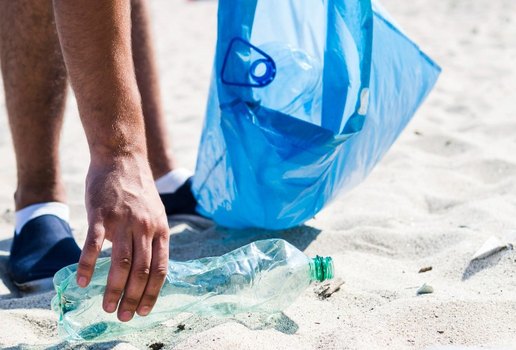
172, 183
34, 79
158, 147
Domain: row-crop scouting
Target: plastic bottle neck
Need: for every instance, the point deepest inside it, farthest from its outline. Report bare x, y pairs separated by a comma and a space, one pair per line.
321, 268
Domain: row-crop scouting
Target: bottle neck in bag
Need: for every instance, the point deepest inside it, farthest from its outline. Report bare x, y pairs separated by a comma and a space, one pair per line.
321, 268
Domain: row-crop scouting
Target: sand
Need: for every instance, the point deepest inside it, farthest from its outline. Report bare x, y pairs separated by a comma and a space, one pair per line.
444, 188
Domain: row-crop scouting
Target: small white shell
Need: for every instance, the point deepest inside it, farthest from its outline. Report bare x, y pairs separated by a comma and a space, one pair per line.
425, 289
492, 246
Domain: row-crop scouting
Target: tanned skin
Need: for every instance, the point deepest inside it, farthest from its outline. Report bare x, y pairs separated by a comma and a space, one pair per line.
158, 147
34, 77
121, 199
118, 98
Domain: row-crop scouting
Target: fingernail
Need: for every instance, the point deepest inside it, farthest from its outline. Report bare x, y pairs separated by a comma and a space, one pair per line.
126, 316
82, 281
111, 307
144, 310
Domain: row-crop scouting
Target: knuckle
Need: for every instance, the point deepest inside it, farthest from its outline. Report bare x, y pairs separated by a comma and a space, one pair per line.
131, 301
163, 234
160, 272
110, 214
93, 244
149, 298
145, 225
84, 265
124, 263
142, 272
161, 239
113, 292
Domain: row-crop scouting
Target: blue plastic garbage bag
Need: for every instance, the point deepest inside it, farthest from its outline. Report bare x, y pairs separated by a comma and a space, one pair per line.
306, 97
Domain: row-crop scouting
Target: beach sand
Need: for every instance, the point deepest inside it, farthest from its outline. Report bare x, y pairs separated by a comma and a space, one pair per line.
445, 187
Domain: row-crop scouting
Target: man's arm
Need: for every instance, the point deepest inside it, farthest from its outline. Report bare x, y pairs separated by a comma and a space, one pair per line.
121, 199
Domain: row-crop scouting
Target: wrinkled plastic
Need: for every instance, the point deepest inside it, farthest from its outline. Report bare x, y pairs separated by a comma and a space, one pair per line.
306, 97
265, 276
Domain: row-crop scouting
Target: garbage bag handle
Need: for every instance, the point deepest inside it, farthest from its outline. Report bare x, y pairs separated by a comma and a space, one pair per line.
237, 24
358, 17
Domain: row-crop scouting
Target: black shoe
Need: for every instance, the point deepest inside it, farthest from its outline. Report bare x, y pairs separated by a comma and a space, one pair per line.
182, 201
44, 246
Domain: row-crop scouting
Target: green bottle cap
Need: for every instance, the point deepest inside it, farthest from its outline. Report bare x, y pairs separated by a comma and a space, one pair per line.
321, 268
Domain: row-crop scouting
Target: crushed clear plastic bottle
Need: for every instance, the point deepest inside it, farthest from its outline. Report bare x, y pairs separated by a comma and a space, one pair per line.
264, 276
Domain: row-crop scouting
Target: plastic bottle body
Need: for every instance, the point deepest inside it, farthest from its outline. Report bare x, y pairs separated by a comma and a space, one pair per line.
264, 276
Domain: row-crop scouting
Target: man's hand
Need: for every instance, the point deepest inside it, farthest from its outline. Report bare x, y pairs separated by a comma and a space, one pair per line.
124, 208
122, 202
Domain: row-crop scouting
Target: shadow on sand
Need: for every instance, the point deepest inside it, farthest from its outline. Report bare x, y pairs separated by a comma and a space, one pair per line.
176, 332
475, 266
68, 346
5, 246
193, 238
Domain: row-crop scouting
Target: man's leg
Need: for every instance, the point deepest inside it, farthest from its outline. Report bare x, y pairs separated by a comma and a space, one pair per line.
173, 183
158, 147
34, 79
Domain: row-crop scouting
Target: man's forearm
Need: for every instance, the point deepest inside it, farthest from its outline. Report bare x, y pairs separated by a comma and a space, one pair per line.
121, 199
95, 38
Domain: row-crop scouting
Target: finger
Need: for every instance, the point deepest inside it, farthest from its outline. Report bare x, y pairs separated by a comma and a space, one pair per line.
121, 261
89, 254
138, 277
159, 269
